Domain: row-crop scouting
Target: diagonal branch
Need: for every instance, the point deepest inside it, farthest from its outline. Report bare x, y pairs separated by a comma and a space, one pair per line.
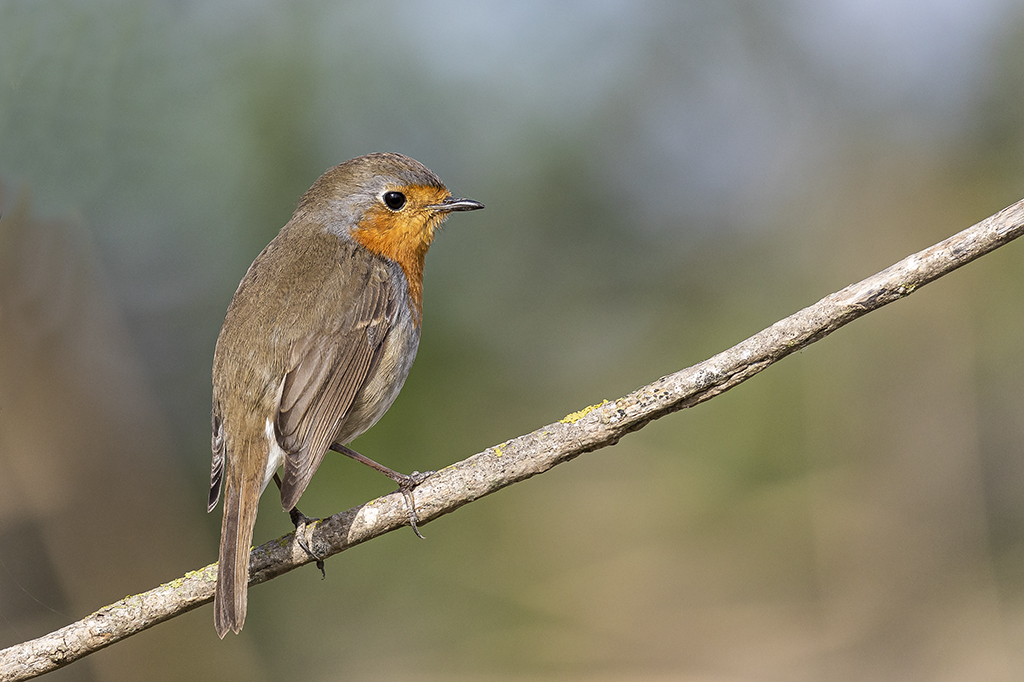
520, 458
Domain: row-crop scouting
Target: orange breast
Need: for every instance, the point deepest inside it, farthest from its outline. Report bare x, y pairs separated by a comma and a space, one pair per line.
404, 236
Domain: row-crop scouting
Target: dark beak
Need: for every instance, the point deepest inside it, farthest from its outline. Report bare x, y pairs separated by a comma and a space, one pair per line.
452, 204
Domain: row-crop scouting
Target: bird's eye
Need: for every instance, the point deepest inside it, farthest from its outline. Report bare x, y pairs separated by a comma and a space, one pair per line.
394, 200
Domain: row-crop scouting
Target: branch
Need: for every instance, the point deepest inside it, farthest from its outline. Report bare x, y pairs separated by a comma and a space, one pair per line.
520, 458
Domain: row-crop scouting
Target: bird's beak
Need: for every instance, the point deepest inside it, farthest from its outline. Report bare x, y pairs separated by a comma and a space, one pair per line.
452, 204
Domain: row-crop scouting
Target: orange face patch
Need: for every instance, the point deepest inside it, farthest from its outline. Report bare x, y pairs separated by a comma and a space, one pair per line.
404, 235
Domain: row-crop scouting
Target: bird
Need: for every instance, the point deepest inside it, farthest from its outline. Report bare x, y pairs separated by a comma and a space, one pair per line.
316, 344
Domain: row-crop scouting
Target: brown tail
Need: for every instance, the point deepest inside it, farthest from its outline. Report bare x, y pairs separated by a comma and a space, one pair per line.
241, 502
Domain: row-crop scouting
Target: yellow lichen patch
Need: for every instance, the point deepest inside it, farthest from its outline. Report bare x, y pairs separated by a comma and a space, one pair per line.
576, 416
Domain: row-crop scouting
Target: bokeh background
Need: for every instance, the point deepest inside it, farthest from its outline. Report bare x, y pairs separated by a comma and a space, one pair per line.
662, 179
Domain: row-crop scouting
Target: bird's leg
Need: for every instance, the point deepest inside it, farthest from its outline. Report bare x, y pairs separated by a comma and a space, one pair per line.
300, 520
406, 482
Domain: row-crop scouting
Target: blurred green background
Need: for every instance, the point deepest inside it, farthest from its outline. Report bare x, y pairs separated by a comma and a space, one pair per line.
662, 179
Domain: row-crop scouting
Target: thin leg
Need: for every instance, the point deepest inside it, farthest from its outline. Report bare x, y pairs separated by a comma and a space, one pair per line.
406, 482
300, 520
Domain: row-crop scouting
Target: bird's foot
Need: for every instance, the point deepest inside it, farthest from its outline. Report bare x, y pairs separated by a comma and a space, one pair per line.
406, 484
302, 533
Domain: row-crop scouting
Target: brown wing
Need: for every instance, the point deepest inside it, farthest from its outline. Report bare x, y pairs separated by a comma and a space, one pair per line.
327, 371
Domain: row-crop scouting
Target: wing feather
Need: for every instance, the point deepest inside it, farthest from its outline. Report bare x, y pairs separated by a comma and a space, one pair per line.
327, 373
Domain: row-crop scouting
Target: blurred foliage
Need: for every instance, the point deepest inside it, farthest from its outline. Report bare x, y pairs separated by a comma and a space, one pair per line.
661, 180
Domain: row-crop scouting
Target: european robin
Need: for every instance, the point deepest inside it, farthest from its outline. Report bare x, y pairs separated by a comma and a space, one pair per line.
317, 342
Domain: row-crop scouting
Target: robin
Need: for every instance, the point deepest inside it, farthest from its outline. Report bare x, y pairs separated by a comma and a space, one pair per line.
317, 342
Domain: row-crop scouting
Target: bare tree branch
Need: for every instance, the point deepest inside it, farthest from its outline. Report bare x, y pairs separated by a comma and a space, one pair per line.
520, 458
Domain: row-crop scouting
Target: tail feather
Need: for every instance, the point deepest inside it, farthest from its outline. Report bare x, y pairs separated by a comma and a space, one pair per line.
217, 468
241, 502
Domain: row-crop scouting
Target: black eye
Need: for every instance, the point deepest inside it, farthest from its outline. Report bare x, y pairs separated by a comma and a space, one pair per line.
394, 200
